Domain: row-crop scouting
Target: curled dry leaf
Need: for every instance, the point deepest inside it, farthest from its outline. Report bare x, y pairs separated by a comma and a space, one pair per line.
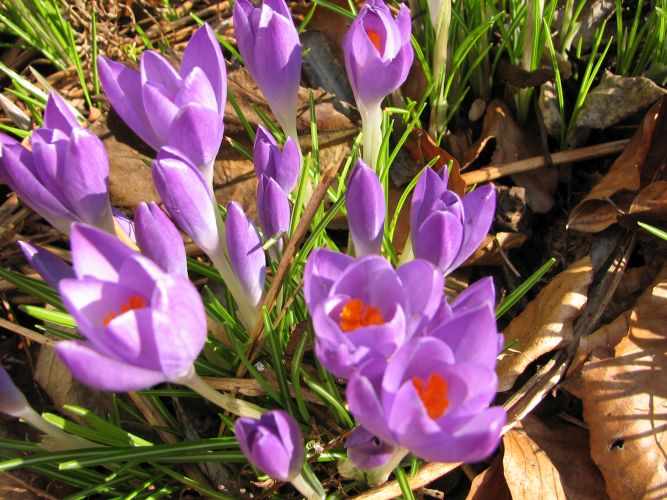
546, 322
636, 166
625, 402
511, 144
541, 461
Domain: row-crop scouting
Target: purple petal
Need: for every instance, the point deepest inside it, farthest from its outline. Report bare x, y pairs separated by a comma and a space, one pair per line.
51, 268
263, 152
96, 253
203, 51
479, 207
480, 292
363, 398
58, 115
438, 240
245, 252
159, 239
197, 132
428, 191
424, 286
289, 165
322, 269
123, 88
273, 209
104, 373
162, 110
12, 400
156, 69
366, 210
184, 192
366, 450
86, 177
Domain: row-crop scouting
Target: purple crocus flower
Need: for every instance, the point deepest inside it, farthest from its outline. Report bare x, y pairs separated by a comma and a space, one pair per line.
271, 50
142, 325
282, 166
366, 210
65, 175
273, 443
378, 57
362, 309
12, 400
273, 211
49, 266
432, 397
183, 110
446, 229
366, 450
159, 240
245, 253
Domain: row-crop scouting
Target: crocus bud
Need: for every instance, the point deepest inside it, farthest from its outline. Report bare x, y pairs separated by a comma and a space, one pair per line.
142, 326
245, 253
377, 51
183, 110
446, 229
187, 196
365, 210
282, 166
273, 210
366, 450
49, 266
273, 443
12, 400
269, 44
378, 56
65, 175
159, 240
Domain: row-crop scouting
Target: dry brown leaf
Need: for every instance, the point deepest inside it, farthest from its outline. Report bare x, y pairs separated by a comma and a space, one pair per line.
490, 484
546, 322
650, 204
511, 144
633, 168
625, 402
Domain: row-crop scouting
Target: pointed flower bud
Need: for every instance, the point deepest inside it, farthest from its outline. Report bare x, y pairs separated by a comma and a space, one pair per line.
65, 175
271, 50
245, 253
273, 443
12, 400
182, 109
282, 166
159, 240
366, 450
142, 326
445, 228
366, 210
49, 266
273, 211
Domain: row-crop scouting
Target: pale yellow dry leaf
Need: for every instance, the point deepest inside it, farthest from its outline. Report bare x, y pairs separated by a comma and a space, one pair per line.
625, 402
546, 322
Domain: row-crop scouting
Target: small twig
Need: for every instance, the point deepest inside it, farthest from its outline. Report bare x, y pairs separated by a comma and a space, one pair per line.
25, 332
286, 260
497, 171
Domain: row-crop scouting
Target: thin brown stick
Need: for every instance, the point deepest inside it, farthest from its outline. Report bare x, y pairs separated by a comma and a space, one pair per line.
250, 387
286, 260
497, 171
25, 332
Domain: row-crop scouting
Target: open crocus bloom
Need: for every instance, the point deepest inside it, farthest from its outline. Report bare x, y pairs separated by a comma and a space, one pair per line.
363, 308
142, 326
445, 228
65, 175
431, 399
183, 110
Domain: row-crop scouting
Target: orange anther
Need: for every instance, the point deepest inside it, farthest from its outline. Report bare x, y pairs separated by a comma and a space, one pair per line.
134, 302
356, 314
433, 394
374, 37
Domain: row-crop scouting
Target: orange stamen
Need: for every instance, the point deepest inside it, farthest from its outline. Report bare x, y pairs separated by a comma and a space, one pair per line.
356, 314
135, 302
374, 37
433, 394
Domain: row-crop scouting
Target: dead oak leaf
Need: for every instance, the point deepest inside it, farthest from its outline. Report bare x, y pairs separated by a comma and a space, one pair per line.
546, 322
625, 402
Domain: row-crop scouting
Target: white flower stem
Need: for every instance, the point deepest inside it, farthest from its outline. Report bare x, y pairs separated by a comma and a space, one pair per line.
408, 253
68, 440
371, 126
300, 483
225, 401
380, 474
440, 60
